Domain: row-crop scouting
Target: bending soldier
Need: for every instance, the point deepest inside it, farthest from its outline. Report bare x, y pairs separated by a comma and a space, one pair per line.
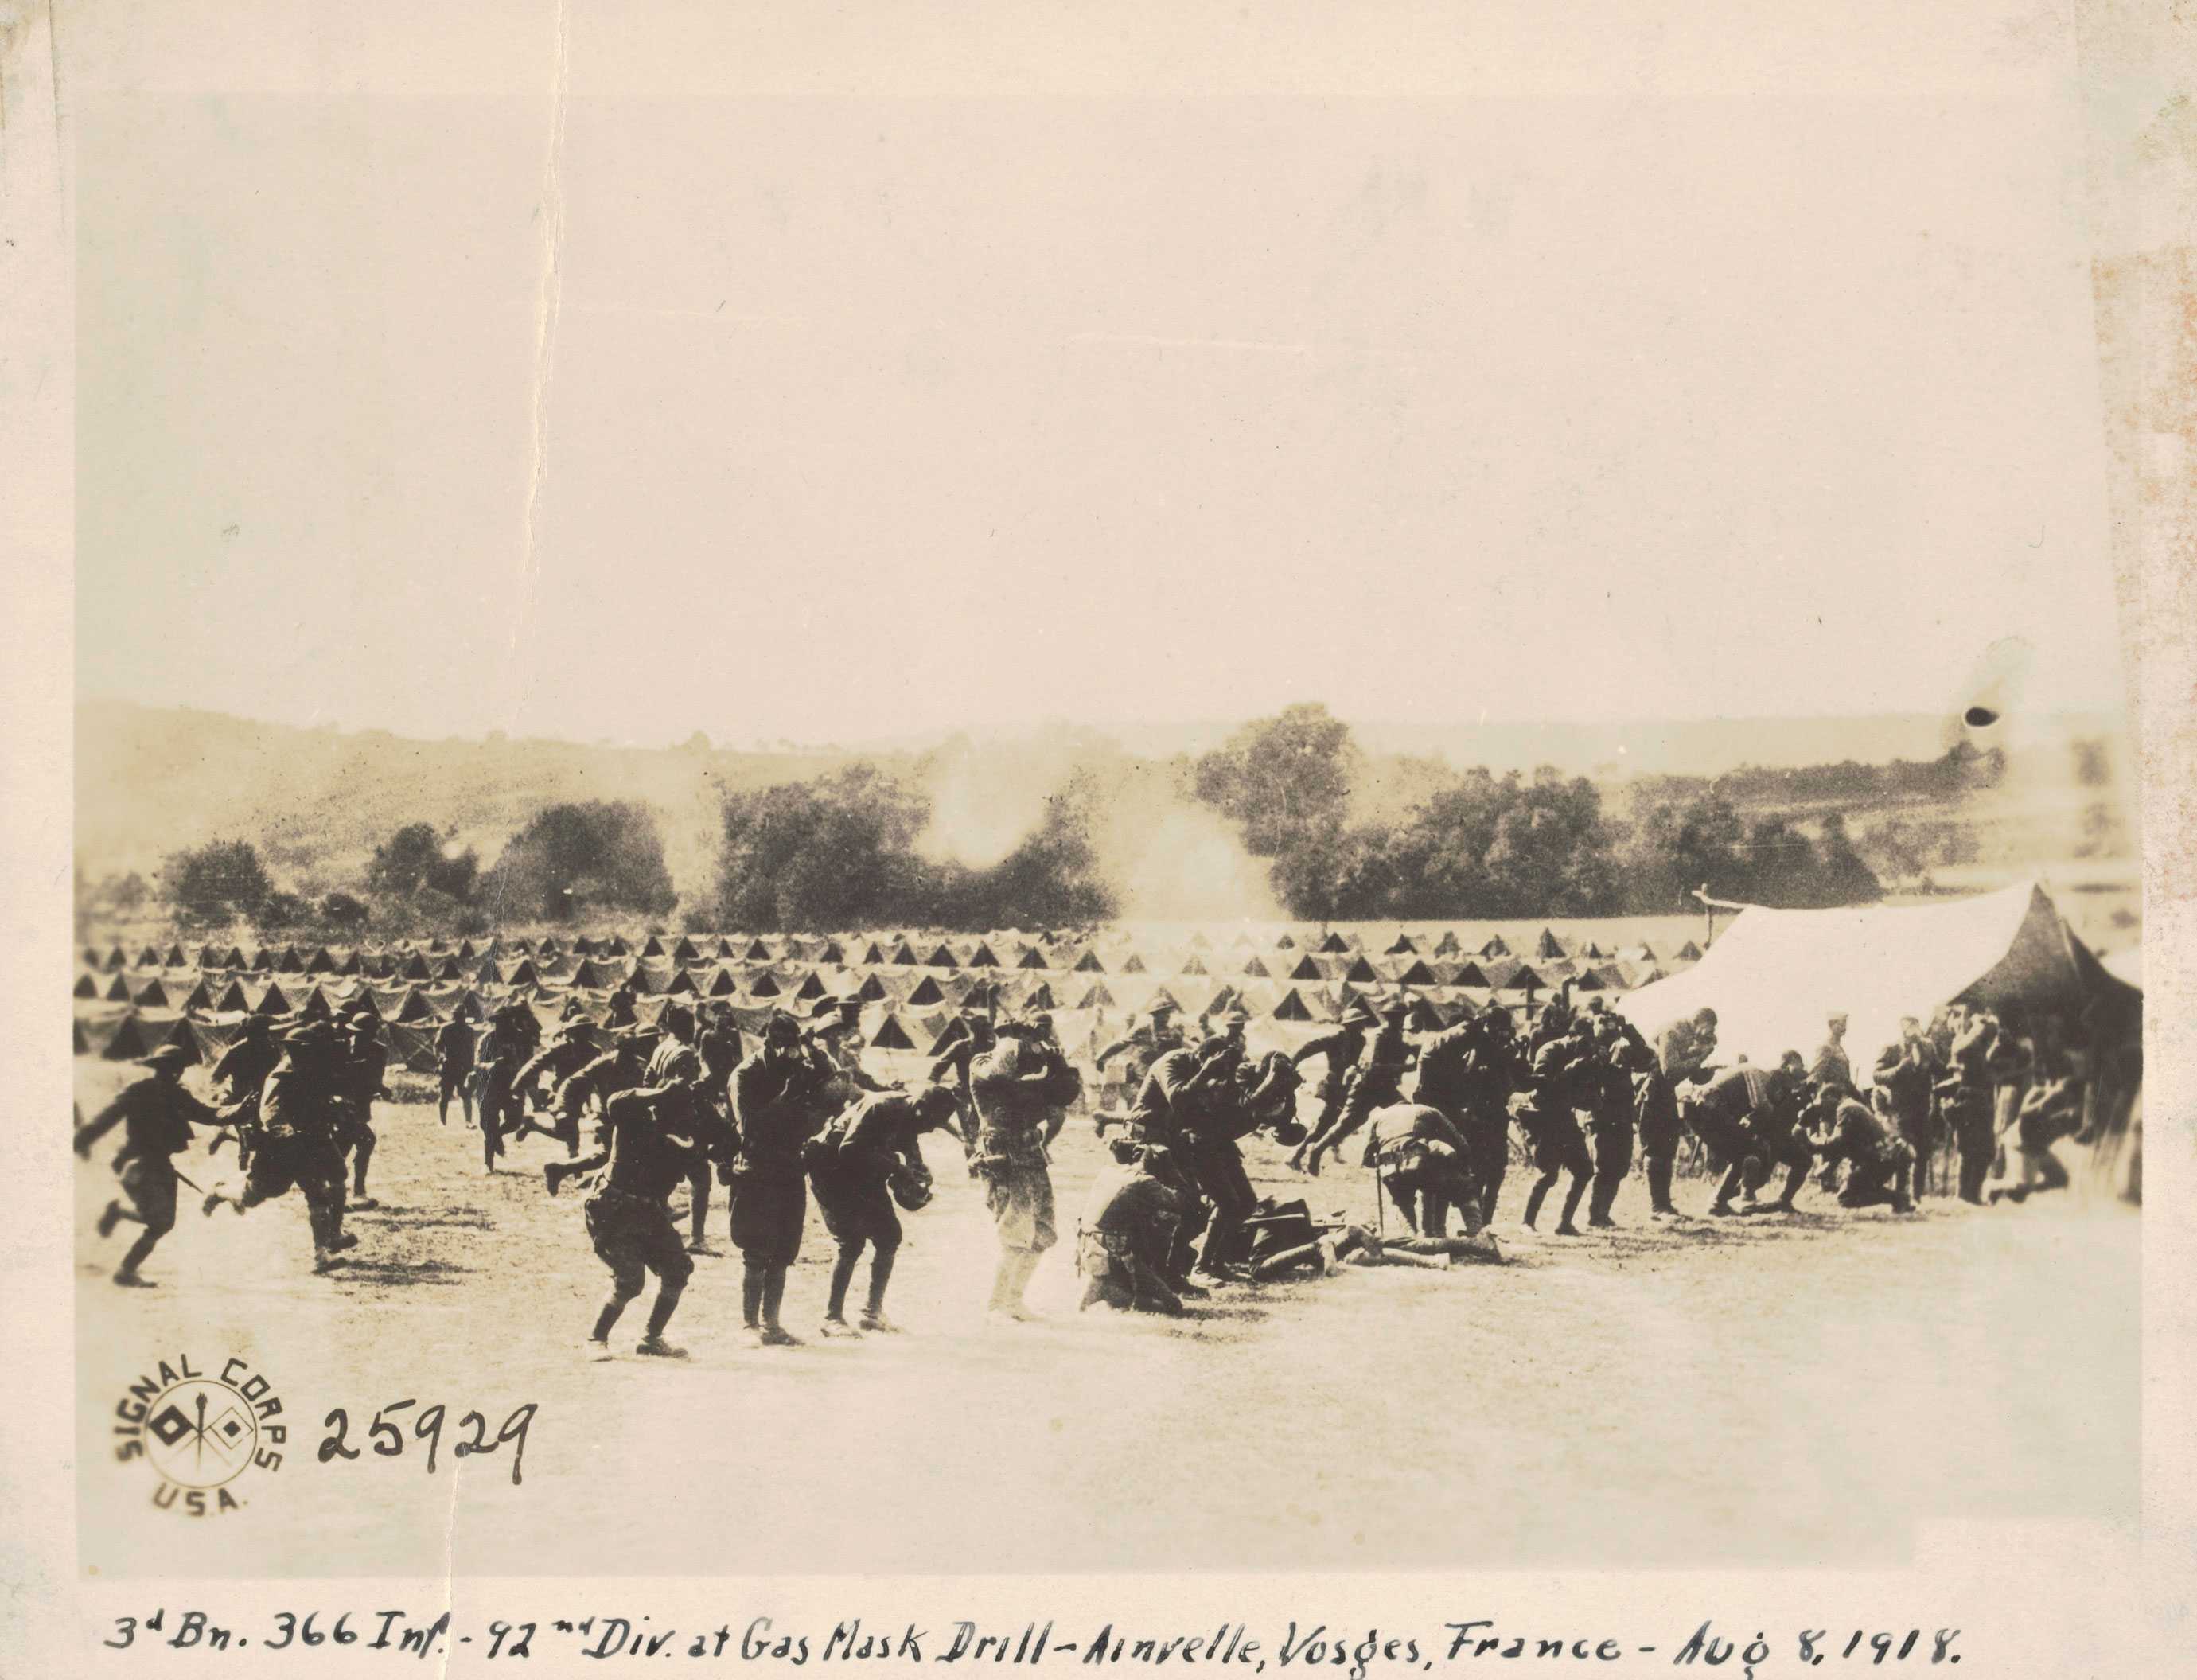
1128, 1230
859, 1166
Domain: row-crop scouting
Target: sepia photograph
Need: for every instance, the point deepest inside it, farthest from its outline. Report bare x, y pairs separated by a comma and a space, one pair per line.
846, 808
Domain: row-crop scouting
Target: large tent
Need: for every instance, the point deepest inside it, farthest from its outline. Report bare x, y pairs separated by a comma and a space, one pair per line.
1775, 976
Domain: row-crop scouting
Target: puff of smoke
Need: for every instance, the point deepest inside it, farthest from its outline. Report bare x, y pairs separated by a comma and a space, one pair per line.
1161, 855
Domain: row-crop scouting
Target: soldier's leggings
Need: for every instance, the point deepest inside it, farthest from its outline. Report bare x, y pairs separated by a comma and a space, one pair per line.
1613, 1160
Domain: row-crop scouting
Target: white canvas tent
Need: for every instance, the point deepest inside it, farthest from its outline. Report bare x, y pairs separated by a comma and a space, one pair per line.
1774, 976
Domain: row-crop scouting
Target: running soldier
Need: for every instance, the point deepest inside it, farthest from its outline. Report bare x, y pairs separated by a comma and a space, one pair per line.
620, 1068
779, 1102
860, 1165
1468, 1071
365, 1065
1340, 1051
454, 1067
677, 1026
296, 1144
1016, 1086
156, 1114
1376, 1082
570, 1048
237, 1077
1129, 1231
502, 1053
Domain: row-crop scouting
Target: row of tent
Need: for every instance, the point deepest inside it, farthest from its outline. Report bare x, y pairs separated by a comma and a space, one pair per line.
1109, 952
237, 989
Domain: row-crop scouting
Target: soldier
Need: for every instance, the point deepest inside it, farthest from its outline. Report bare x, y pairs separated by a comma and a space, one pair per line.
779, 1095
244, 1066
1781, 1138
1906, 1072
1681, 1057
1144, 1045
2051, 1109
1723, 1114
1376, 1081
1877, 1159
297, 1147
1340, 1051
1128, 1230
1014, 1086
620, 1005
1830, 1064
861, 1164
1965, 1097
649, 1143
1607, 1085
1468, 1071
454, 1066
719, 1042
1175, 1109
1562, 1068
622, 1067
969, 1037
676, 1024
156, 1114
1425, 1164
365, 1065
501, 1054
570, 1048
238, 1077
835, 1029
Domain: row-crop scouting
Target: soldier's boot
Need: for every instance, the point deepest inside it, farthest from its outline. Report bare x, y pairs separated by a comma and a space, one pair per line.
110, 1218
1572, 1197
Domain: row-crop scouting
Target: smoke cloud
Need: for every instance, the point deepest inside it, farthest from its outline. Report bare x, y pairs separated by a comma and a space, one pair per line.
1163, 856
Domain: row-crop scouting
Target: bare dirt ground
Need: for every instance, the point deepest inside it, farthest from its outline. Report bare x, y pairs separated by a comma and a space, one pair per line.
1773, 1391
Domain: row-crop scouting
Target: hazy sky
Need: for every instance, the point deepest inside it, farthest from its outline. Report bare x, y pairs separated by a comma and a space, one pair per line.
1568, 386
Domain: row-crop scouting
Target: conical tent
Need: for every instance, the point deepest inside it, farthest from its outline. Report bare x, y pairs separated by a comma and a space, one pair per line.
1548, 946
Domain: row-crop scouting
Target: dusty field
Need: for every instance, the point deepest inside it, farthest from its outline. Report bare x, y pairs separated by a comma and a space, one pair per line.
1805, 1389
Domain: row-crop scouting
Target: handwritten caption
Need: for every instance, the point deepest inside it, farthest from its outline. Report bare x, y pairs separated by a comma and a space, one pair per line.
1315, 1648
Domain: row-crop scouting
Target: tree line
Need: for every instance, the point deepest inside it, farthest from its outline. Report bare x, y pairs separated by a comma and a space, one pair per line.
844, 849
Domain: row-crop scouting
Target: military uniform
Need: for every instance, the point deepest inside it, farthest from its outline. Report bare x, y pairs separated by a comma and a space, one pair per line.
1014, 1086
1126, 1236
628, 1221
1877, 1159
454, 1064
1560, 1068
1966, 1097
852, 1166
1906, 1072
156, 1115
298, 1149
778, 1102
1425, 1163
